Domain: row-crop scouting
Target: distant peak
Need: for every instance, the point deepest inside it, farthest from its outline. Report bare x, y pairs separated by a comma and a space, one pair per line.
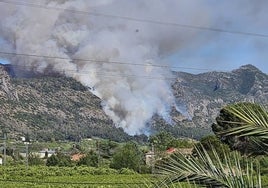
249, 66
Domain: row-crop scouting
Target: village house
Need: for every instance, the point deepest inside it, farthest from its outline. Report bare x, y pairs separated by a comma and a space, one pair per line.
41, 154
150, 158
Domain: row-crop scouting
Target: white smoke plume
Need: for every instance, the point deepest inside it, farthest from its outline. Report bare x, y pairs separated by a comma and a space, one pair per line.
115, 57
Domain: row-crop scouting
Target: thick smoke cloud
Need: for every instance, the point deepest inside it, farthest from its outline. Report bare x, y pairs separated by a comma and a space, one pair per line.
134, 89
116, 58
93, 45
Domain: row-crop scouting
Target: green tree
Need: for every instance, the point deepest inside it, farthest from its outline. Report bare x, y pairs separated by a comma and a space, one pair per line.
35, 160
9, 151
185, 143
210, 143
129, 156
27, 137
59, 159
106, 148
162, 140
53, 160
90, 159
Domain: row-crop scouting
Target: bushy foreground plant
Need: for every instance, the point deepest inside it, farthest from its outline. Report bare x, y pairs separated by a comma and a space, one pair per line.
210, 171
242, 124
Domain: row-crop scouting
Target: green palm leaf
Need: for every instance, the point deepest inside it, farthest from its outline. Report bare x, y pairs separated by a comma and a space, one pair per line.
253, 122
205, 171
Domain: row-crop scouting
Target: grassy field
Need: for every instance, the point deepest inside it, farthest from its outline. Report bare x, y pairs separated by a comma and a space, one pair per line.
79, 177
111, 181
41, 176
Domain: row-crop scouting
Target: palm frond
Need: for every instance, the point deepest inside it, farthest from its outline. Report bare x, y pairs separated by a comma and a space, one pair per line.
254, 121
204, 170
247, 130
252, 114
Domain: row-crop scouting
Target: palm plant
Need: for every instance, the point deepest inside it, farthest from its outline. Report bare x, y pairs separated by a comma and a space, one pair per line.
243, 127
251, 123
207, 172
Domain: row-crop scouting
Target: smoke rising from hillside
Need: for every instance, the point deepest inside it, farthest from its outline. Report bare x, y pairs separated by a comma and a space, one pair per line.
131, 93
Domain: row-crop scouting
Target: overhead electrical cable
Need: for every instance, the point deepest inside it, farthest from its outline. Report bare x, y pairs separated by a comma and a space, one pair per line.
158, 22
106, 74
97, 73
102, 61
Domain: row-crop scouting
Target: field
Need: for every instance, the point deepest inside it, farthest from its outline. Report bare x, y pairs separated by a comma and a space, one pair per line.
42, 176
78, 177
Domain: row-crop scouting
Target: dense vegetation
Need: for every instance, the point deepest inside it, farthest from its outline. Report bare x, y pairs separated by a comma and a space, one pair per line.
215, 166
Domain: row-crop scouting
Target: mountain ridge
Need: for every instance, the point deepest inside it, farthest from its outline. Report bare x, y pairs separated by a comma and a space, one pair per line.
217, 89
56, 107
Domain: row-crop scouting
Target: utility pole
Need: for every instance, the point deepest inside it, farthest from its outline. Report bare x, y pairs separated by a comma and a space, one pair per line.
5, 148
153, 159
27, 155
98, 149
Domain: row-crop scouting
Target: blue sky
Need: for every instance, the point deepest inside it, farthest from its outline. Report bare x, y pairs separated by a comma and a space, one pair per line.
223, 51
3, 61
219, 57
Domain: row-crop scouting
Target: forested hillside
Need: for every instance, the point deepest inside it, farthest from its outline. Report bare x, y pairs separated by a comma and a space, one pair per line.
57, 107
53, 108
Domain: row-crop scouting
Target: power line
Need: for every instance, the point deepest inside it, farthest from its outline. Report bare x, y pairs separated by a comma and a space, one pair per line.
103, 74
102, 61
157, 22
83, 60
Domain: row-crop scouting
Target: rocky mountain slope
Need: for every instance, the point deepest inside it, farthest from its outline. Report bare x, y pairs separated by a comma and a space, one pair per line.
61, 108
52, 108
200, 97
204, 94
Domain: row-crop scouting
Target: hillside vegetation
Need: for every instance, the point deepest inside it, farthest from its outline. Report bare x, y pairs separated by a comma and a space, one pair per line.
53, 108
58, 108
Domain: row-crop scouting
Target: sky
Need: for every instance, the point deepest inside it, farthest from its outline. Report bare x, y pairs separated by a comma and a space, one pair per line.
211, 50
224, 51
125, 49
